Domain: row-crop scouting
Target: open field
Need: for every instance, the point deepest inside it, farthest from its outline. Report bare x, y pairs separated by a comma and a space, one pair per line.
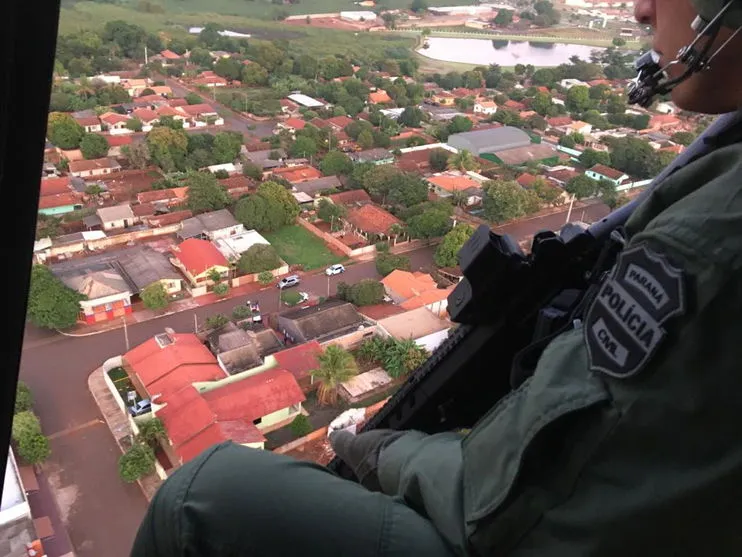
297, 246
544, 36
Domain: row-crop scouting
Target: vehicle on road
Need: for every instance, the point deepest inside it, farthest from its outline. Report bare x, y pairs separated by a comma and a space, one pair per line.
289, 281
255, 309
140, 408
334, 270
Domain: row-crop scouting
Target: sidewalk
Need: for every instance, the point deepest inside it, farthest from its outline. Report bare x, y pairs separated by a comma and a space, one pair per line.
43, 503
118, 423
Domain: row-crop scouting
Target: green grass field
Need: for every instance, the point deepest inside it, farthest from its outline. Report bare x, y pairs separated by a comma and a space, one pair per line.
298, 246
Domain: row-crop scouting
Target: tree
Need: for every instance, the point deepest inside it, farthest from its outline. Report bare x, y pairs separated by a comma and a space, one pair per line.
63, 131
608, 193
683, 138
205, 193
438, 160
619, 41
567, 141
402, 356
303, 147
33, 446
411, 117
252, 170
547, 194
447, 254
134, 124
270, 208
366, 292
193, 98
432, 223
226, 147
167, 147
151, 432
418, 6
388, 262
503, 200
137, 462
581, 186
591, 157
51, 304
336, 163
155, 296
93, 146
463, 161
366, 139
503, 18
542, 103
277, 195
23, 398
221, 289
228, 68
578, 99
259, 258
301, 426
336, 365
265, 278
255, 75
329, 212
217, 321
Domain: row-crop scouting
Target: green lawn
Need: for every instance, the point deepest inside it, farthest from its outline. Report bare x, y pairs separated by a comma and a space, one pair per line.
298, 246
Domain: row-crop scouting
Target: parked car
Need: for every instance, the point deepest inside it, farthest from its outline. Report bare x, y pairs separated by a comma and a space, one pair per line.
289, 281
141, 407
334, 269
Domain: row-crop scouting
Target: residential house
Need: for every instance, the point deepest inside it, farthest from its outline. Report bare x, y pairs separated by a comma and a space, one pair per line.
558, 122
560, 175
338, 123
94, 167
315, 187
300, 360
212, 225
202, 114
209, 79
601, 172
173, 113
415, 290
428, 330
444, 98
485, 107
291, 125
107, 293
527, 181
118, 216
237, 186
143, 267
306, 101
90, 124
297, 174
379, 97
236, 349
167, 57
447, 184
232, 247
168, 197
569, 83
135, 86
489, 140
377, 156
322, 322
115, 123
350, 197
288, 106
372, 221
267, 158
198, 259
57, 197
514, 106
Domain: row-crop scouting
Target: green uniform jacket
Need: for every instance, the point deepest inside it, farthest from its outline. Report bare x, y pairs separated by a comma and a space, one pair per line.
627, 440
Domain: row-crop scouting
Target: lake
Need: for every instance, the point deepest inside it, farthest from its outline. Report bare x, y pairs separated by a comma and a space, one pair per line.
504, 53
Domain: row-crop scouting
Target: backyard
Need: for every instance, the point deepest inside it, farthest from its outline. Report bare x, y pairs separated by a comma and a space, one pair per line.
298, 246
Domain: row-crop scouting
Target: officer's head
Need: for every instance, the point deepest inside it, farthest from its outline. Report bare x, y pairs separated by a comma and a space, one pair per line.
716, 90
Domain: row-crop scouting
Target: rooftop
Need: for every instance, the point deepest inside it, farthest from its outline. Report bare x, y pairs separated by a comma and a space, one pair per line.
490, 140
299, 360
198, 256
115, 213
323, 320
414, 324
350, 197
406, 284
234, 246
452, 182
372, 219
607, 171
97, 284
316, 185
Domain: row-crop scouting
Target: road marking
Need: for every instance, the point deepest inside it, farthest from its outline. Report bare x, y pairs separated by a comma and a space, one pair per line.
75, 429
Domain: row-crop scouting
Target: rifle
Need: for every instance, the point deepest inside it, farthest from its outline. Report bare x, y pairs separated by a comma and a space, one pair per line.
507, 301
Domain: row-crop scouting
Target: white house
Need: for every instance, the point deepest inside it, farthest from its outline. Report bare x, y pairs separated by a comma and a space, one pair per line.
232, 247
569, 83
485, 107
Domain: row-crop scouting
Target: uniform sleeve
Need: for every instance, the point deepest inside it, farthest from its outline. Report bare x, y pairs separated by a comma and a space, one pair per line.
426, 471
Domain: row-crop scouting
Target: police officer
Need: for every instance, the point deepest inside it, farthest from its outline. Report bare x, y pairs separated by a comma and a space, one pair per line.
625, 441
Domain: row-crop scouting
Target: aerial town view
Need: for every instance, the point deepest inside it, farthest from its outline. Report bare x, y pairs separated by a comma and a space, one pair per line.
251, 212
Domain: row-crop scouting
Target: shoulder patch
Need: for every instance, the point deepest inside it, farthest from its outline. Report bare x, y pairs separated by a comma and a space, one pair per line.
623, 327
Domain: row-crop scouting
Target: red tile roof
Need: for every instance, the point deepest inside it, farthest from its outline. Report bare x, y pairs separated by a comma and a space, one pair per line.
198, 109
198, 256
143, 209
299, 360
170, 55
55, 186
426, 298
170, 218
558, 121
93, 164
526, 180
453, 183
379, 97
169, 194
166, 370
112, 118
350, 197
238, 184
145, 114
177, 102
88, 121
295, 123
340, 121
59, 200
185, 415
607, 171
380, 311
298, 174
406, 285
255, 396
372, 219
118, 140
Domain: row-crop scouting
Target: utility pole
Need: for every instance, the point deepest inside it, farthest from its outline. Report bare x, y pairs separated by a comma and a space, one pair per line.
195, 322
569, 212
146, 57
328, 286
126, 333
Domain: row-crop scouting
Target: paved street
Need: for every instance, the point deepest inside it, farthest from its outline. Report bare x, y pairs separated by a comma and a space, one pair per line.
101, 512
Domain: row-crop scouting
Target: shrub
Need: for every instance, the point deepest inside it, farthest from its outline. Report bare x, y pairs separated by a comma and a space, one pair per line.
137, 462
363, 293
301, 426
154, 296
151, 431
388, 262
216, 321
221, 289
23, 398
265, 278
290, 297
241, 312
32, 445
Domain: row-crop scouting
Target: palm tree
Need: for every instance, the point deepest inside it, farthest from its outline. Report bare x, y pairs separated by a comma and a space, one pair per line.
85, 89
463, 161
336, 365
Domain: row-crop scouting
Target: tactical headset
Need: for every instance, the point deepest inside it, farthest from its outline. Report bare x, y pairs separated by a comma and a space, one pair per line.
652, 79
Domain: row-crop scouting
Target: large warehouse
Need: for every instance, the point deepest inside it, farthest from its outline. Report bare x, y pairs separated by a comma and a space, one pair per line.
489, 141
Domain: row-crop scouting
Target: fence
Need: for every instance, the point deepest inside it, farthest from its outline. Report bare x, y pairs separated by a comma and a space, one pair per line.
247, 279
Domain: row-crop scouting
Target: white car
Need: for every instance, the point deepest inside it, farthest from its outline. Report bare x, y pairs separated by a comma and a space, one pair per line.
334, 270
303, 297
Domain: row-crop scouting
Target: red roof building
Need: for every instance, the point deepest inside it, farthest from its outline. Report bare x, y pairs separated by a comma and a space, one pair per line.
145, 115
350, 197
294, 124
299, 360
170, 55
370, 219
298, 174
526, 180
55, 186
118, 140
197, 109
199, 256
